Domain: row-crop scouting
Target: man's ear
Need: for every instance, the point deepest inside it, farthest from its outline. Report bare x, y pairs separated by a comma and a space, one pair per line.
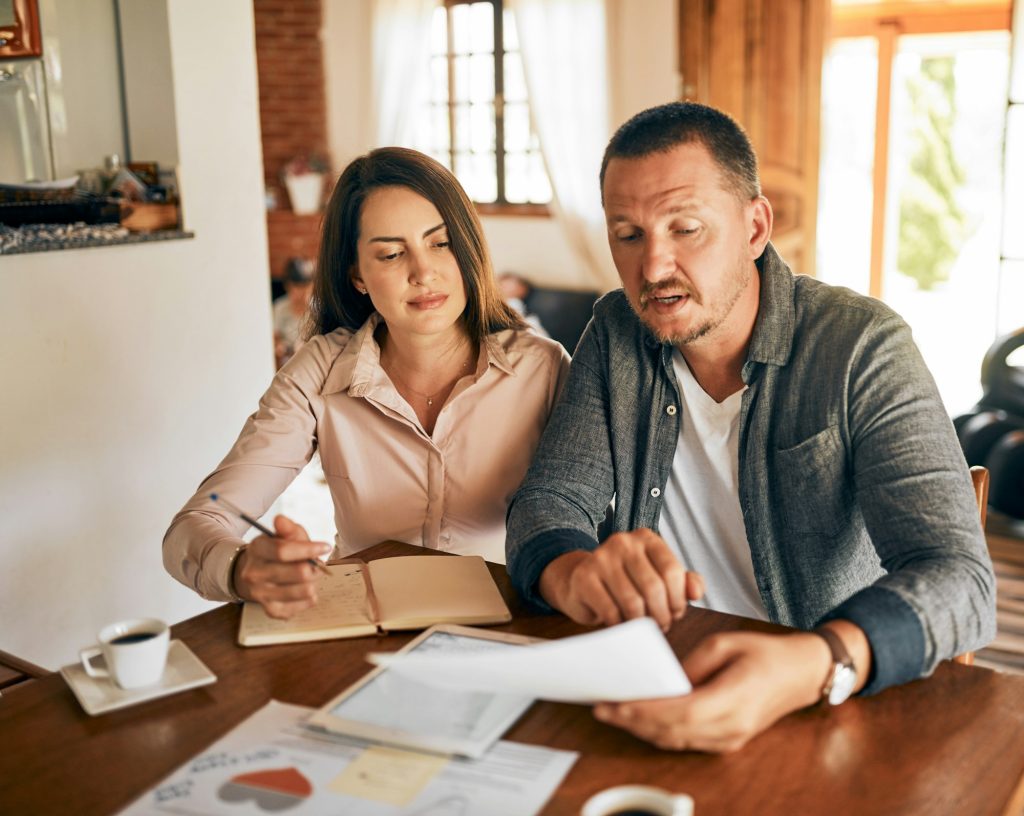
760, 220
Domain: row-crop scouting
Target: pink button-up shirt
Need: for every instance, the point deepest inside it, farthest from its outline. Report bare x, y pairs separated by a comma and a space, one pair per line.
388, 478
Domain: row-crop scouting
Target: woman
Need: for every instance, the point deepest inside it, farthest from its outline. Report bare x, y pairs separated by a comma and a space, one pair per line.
424, 394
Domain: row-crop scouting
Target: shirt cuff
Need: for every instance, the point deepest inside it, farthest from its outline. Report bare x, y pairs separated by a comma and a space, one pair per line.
533, 557
894, 631
214, 578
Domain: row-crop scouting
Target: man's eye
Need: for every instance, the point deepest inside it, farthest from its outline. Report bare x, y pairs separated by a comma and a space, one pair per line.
629, 238
687, 230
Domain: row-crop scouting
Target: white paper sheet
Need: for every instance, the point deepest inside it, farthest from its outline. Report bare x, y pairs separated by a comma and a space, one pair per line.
270, 764
631, 661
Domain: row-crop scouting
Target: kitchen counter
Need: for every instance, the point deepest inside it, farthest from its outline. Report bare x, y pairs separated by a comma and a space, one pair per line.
52, 237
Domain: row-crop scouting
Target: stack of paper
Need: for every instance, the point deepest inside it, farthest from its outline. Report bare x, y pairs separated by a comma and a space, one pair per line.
631, 661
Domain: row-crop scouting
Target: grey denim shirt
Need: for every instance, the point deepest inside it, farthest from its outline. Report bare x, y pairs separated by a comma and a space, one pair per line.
856, 498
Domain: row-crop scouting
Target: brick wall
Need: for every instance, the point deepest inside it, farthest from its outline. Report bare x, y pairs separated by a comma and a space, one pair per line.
293, 114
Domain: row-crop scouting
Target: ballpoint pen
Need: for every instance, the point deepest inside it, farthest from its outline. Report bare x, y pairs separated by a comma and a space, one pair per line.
266, 531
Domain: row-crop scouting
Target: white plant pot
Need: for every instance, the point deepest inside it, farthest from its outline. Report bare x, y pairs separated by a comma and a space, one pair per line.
305, 192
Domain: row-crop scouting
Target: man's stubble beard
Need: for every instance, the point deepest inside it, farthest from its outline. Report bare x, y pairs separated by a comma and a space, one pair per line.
739, 281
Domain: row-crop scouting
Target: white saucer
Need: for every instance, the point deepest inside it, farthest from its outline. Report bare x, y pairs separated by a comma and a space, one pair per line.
99, 694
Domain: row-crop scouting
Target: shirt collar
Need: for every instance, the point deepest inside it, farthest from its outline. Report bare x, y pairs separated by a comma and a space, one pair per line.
772, 339
358, 365
354, 368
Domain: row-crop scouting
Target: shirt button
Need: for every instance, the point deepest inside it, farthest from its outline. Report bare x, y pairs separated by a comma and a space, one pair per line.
655, 491
671, 410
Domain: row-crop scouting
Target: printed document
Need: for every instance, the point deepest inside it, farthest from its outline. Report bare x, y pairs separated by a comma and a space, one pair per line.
271, 764
631, 661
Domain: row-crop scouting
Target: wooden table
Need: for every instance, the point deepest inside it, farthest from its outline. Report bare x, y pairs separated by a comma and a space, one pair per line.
953, 743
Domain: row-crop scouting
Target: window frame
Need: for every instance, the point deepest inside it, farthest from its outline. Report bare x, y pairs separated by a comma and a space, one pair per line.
499, 206
886, 22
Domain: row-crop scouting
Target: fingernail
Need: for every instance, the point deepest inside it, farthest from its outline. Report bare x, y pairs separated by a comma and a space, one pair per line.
601, 712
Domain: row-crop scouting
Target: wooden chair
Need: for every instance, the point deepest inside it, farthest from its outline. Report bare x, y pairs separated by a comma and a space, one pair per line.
979, 476
14, 670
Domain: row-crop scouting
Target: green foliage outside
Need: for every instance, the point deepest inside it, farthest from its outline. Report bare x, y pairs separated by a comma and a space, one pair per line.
933, 227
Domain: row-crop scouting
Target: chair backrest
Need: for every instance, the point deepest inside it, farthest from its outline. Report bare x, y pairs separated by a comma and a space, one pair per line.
14, 670
979, 476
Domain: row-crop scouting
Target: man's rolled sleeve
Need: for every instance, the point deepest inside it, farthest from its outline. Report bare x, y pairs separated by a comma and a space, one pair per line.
529, 561
894, 631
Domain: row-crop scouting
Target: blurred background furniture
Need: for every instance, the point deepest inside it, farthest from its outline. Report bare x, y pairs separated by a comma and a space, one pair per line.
992, 438
563, 313
14, 671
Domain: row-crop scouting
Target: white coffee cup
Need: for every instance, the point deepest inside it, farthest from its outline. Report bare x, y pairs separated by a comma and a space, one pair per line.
640, 799
135, 652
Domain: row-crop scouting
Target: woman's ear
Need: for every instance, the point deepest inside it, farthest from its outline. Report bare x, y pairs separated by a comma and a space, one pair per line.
357, 280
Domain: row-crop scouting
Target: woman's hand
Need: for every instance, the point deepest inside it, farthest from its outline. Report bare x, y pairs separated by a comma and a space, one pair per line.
276, 573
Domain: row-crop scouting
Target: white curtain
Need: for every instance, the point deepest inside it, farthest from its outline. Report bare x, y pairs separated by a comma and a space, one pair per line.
401, 68
564, 47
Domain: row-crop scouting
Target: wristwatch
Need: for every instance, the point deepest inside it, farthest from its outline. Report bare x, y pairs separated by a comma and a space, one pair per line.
843, 676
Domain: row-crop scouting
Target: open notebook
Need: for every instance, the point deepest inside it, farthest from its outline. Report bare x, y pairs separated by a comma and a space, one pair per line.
389, 594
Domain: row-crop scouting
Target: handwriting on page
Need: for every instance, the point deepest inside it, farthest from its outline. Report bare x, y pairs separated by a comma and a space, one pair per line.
341, 601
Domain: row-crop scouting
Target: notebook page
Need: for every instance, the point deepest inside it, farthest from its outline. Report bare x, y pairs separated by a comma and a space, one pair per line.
341, 606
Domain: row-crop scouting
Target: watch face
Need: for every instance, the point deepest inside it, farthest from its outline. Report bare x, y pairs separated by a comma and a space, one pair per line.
842, 685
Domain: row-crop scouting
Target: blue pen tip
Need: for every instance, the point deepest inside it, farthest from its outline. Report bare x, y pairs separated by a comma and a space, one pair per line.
213, 496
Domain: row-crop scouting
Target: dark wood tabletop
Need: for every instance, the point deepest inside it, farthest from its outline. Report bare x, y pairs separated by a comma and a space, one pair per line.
952, 743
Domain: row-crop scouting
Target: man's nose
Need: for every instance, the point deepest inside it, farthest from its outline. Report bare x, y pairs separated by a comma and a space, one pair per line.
658, 260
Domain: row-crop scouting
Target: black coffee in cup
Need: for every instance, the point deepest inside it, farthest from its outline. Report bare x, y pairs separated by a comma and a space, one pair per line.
634, 811
134, 637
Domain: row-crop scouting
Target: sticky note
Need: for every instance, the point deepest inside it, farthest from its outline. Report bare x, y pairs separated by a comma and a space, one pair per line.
388, 775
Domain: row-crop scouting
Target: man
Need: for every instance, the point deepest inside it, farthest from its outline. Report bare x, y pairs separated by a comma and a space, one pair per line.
290, 309
771, 443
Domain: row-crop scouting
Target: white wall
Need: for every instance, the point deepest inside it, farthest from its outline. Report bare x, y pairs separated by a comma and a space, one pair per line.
127, 371
643, 60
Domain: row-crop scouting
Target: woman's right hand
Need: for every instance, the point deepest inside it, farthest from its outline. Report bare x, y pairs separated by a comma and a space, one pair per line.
276, 573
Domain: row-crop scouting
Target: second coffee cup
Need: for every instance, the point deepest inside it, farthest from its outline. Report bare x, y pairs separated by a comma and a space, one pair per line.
135, 652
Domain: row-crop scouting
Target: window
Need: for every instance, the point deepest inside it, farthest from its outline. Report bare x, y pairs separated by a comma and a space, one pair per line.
479, 123
913, 113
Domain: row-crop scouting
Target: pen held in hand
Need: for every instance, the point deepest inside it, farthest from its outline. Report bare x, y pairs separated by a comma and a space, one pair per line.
265, 530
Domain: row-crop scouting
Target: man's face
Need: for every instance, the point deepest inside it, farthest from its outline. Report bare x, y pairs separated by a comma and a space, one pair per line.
684, 244
299, 294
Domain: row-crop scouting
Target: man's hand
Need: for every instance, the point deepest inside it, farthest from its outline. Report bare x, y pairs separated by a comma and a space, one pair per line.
276, 572
629, 576
743, 682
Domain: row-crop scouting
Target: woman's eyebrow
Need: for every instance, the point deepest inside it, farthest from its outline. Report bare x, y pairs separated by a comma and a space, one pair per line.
390, 239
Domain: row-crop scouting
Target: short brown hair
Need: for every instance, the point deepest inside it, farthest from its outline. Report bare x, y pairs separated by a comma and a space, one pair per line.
336, 302
659, 129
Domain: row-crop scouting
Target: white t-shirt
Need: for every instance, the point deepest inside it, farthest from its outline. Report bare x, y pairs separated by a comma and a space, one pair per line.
701, 518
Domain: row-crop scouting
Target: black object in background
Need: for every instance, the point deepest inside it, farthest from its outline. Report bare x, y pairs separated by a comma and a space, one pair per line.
992, 433
79, 207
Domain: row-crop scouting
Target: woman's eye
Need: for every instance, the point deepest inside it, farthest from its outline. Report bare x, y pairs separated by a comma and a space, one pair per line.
390, 256
441, 245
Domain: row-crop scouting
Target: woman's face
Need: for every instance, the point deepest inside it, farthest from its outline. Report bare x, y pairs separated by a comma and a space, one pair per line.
406, 265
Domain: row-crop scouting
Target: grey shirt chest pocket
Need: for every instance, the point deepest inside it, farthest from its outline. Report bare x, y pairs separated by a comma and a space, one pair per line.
813, 486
